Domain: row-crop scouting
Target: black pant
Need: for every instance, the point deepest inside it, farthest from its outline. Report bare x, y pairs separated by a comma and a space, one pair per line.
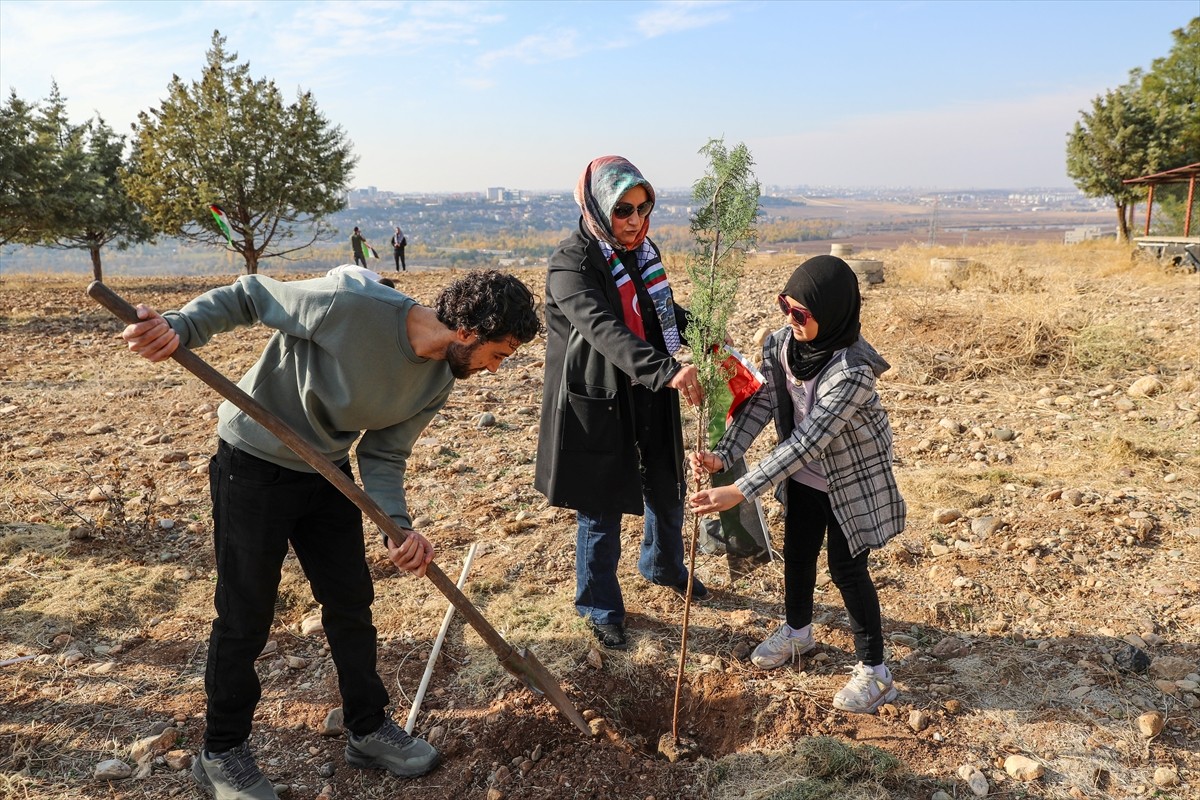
258, 508
398, 253
360, 259
809, 516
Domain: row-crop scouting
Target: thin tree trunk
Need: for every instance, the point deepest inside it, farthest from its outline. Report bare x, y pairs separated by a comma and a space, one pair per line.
1122, 224
250, 253
97, 274
701, 429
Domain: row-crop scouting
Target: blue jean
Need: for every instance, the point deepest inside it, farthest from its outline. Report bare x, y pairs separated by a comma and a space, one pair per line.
258, 509
598, 549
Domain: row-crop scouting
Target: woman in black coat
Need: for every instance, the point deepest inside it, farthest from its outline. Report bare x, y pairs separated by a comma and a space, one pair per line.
611, 441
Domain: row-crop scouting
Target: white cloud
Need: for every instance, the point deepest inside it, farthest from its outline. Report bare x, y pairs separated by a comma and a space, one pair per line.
673, 17
538, 48
334, 35
98, 54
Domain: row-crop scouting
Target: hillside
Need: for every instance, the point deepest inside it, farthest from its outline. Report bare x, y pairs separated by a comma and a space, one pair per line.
1046, 403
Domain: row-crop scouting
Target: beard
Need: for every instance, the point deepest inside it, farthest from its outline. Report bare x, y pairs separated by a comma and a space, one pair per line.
459, 356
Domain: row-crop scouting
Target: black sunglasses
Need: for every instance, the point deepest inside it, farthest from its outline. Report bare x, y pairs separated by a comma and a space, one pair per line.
625, 210
800, 315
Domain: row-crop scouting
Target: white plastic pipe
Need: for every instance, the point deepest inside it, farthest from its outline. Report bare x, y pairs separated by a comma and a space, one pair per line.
437, 646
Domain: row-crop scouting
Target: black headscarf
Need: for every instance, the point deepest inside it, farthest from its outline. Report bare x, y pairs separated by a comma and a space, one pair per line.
827, 287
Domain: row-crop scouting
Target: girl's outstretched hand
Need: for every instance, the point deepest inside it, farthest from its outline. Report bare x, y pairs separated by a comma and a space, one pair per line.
704, 463
718, 498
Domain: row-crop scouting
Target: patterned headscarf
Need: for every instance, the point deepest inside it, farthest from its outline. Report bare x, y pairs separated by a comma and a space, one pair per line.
600, 187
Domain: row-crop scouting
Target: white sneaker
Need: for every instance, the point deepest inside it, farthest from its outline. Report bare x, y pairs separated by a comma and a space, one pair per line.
865, 692
781, 647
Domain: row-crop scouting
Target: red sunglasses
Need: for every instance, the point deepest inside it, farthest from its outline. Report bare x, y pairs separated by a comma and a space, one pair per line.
800, 315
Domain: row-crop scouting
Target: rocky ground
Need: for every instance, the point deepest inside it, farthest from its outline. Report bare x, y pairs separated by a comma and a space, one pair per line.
1042, 608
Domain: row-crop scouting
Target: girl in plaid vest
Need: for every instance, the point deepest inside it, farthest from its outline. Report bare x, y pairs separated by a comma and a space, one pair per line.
832, 468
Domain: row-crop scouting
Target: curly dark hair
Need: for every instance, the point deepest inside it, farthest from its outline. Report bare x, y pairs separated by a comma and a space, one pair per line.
494, 305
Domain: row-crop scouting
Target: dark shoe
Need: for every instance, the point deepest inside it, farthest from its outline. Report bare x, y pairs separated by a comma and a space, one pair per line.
391, 748
610, 634
700, 592
232, 775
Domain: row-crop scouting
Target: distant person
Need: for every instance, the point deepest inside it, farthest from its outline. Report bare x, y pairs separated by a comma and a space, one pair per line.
832, 467
369, 274
351, 365
398, 243
358, 246
611, 442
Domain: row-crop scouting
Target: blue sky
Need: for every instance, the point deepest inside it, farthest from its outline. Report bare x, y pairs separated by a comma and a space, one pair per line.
459, 96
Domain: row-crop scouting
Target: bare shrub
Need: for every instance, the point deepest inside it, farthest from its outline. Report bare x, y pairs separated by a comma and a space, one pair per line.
129, 517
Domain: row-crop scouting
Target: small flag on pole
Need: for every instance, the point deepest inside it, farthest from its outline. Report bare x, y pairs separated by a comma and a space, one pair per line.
743, 378
371, 250
222, 222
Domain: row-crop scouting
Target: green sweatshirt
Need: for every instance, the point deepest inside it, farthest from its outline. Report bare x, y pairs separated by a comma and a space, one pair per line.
339, 364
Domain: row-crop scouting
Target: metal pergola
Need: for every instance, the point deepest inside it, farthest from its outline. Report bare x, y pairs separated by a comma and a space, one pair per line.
1178, 175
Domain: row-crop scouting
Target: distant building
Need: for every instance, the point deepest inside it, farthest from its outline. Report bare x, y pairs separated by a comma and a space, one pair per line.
498, 194
1085, 233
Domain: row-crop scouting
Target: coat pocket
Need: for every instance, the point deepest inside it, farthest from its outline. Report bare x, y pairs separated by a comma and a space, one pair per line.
591, 420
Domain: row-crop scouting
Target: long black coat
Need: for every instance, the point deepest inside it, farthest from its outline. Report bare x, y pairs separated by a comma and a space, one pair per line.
587, 451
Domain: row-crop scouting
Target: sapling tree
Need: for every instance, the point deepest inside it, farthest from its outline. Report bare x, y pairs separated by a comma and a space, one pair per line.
723, 232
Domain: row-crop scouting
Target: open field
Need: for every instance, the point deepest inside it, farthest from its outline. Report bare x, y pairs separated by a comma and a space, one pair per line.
881, 225
1046, 404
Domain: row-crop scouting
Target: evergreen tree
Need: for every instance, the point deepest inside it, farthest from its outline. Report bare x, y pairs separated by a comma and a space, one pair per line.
277, 170
723, 232
1148, 125
1111, 143
94, 209
60, 182
1172, 85
1173, 82
28, 171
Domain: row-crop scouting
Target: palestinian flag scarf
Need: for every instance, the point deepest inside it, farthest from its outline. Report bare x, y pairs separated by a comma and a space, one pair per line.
600, 187
659, 288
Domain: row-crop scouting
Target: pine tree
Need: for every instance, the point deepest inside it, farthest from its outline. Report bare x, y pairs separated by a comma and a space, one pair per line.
723, 232
61, 184
276, 169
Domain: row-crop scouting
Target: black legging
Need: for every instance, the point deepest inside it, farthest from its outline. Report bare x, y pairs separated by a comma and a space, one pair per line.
809, 517
398, 253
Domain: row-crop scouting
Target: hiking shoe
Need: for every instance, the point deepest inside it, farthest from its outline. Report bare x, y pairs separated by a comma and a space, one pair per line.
781, 647
391, 748
232, 775
700, 592
865, 692
610, 634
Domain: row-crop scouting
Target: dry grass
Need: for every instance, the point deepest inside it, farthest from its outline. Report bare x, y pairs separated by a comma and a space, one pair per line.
1037, 339
815, 768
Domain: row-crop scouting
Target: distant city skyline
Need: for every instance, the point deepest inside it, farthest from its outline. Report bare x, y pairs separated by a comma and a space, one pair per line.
515, 193
453, 97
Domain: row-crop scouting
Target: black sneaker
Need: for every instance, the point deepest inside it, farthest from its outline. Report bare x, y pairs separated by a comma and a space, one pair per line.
391, 748
610, 634
700, 592
232, 775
